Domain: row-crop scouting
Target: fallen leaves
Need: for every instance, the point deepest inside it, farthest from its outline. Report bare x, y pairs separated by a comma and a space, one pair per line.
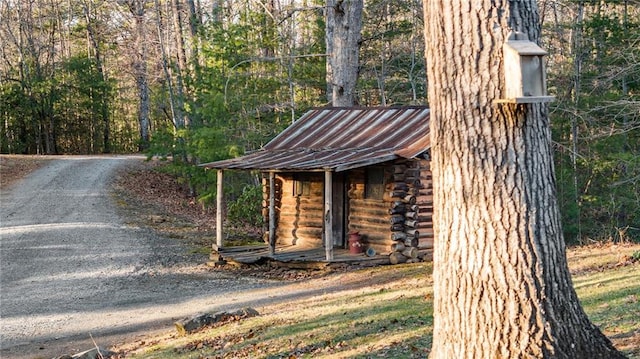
15, 167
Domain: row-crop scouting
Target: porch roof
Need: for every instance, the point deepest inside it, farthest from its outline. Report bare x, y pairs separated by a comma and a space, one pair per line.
340, 138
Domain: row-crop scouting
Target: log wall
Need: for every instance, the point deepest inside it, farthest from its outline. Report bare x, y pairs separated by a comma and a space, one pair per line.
398, 225
369, 217
410, 197
425, 201
300, 217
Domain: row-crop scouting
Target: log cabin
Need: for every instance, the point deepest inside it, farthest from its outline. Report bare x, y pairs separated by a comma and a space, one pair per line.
339, 178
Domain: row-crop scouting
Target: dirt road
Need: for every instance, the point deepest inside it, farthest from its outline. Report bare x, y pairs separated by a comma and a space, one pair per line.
70, 268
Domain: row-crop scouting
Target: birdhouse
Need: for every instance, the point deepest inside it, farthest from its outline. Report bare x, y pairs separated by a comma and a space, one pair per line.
524, 71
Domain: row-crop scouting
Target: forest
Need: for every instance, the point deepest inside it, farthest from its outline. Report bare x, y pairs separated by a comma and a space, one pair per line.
202, 80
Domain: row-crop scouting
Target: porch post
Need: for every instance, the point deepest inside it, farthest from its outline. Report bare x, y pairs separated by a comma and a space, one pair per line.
219, 204
272, 213
328, 216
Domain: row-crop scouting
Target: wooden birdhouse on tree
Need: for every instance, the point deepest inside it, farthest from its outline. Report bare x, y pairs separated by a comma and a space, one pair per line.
524, 71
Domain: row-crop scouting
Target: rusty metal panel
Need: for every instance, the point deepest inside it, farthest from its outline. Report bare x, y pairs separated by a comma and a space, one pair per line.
339, 139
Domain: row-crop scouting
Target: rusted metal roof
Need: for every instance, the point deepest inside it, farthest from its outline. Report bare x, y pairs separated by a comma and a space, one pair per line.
340, 138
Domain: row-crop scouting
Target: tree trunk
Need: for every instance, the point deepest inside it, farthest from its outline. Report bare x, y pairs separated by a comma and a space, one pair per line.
195, 22
328, 38
181, 68
502, 288
137, 8
344, 22
176, 112
102, 93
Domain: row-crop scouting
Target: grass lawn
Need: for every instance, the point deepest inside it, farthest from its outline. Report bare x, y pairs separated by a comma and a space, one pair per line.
392, 317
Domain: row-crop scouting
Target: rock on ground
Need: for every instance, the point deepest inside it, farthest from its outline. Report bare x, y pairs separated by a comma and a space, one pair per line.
199, 321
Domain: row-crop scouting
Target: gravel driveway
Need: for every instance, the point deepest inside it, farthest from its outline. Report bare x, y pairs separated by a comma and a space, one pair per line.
70, 268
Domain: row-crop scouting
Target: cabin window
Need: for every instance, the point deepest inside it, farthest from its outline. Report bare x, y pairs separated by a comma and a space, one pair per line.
374, 187
301, 187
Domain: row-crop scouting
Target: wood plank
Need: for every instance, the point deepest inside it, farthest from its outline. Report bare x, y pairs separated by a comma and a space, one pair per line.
272, 212
328, 214
219, 203
240, 249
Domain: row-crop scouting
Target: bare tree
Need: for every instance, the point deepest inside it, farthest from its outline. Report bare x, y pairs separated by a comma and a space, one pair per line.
95, 43
174, 105
344, 22
137, 8
502, 287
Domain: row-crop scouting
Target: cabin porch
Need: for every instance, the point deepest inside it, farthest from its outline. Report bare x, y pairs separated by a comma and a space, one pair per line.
302, 256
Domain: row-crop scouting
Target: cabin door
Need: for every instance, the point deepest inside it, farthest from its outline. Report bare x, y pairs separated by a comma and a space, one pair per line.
339, 210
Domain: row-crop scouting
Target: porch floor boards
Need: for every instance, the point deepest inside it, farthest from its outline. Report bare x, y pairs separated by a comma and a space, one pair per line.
297, 254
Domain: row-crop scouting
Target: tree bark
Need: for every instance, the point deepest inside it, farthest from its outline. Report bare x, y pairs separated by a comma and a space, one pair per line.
344, 22
137, 8
104, 97
176, 112
502, 288
328, 38
181, 69
195, 22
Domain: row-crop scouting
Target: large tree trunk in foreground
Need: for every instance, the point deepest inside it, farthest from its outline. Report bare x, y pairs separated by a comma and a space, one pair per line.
502, 288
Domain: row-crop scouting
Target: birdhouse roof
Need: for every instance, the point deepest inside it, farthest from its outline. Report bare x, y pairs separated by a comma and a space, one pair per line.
525, 47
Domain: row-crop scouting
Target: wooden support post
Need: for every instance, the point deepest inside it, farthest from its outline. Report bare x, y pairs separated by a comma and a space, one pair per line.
219, 205
328, 215
272, 213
